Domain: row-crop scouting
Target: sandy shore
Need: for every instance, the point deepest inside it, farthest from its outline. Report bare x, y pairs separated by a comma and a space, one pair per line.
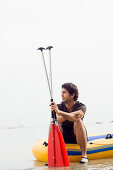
16, 150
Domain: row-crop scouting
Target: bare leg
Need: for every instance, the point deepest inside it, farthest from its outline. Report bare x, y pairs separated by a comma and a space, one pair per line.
61, 130
80, 132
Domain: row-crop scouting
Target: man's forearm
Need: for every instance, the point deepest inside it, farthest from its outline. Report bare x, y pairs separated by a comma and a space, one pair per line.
73, 116
67, 116
60, 118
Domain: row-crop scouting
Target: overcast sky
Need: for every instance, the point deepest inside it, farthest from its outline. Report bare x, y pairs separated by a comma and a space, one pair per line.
81, 32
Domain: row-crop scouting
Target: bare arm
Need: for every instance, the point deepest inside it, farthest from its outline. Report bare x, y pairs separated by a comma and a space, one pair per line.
62, 116
73, 116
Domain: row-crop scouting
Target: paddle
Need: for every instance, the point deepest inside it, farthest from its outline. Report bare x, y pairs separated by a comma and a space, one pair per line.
62, 144
61, 139
55, 158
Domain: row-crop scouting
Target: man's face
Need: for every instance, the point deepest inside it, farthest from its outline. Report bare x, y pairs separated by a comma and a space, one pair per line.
66, 97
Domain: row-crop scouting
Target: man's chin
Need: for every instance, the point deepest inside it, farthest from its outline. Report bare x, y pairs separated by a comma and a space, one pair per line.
63, 101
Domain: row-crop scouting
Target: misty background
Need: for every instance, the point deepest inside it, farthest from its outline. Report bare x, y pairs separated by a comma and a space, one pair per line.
81, 32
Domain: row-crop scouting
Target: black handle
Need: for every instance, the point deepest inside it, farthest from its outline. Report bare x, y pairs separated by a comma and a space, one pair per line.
53, 114
41, 49
49, 48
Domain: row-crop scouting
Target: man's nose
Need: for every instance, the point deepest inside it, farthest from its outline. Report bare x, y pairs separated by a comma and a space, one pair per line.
62, 94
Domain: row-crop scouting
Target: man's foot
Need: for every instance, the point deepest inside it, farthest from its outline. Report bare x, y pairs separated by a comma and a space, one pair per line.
84, 160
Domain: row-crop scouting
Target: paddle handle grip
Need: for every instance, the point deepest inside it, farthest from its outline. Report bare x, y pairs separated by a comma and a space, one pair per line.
53, 114
41, 49
49, 47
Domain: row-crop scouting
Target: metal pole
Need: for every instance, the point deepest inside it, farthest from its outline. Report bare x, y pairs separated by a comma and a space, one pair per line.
41, 49
49, 48
51, 73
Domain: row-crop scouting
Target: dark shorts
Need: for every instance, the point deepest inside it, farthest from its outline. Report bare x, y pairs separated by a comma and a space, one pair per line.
68, 135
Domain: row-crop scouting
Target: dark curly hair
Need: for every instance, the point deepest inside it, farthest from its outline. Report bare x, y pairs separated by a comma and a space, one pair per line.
71, 88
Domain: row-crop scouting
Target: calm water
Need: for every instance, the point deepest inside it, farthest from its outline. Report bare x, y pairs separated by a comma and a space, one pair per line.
16, 149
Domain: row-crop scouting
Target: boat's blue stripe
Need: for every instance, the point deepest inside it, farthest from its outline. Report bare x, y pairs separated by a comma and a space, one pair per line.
97, 137
74, 153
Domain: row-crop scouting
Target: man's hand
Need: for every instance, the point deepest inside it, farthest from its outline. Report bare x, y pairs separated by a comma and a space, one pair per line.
78, 115
54, 107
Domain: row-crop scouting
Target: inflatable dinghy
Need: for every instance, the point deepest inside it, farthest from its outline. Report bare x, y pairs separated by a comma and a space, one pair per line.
98, 147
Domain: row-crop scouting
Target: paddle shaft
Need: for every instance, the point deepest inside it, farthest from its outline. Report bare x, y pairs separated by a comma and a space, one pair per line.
47, 77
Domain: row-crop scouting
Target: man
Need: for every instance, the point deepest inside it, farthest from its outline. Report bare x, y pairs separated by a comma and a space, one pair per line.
70, 114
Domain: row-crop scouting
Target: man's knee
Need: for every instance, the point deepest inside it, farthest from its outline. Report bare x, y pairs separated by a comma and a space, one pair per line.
78, 123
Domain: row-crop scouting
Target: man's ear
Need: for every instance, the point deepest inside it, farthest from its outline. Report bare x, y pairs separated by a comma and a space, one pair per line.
73, 95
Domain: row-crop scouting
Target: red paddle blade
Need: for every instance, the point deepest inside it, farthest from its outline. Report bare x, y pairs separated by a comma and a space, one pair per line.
51, 147
58, 149
55, 158
63, 148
